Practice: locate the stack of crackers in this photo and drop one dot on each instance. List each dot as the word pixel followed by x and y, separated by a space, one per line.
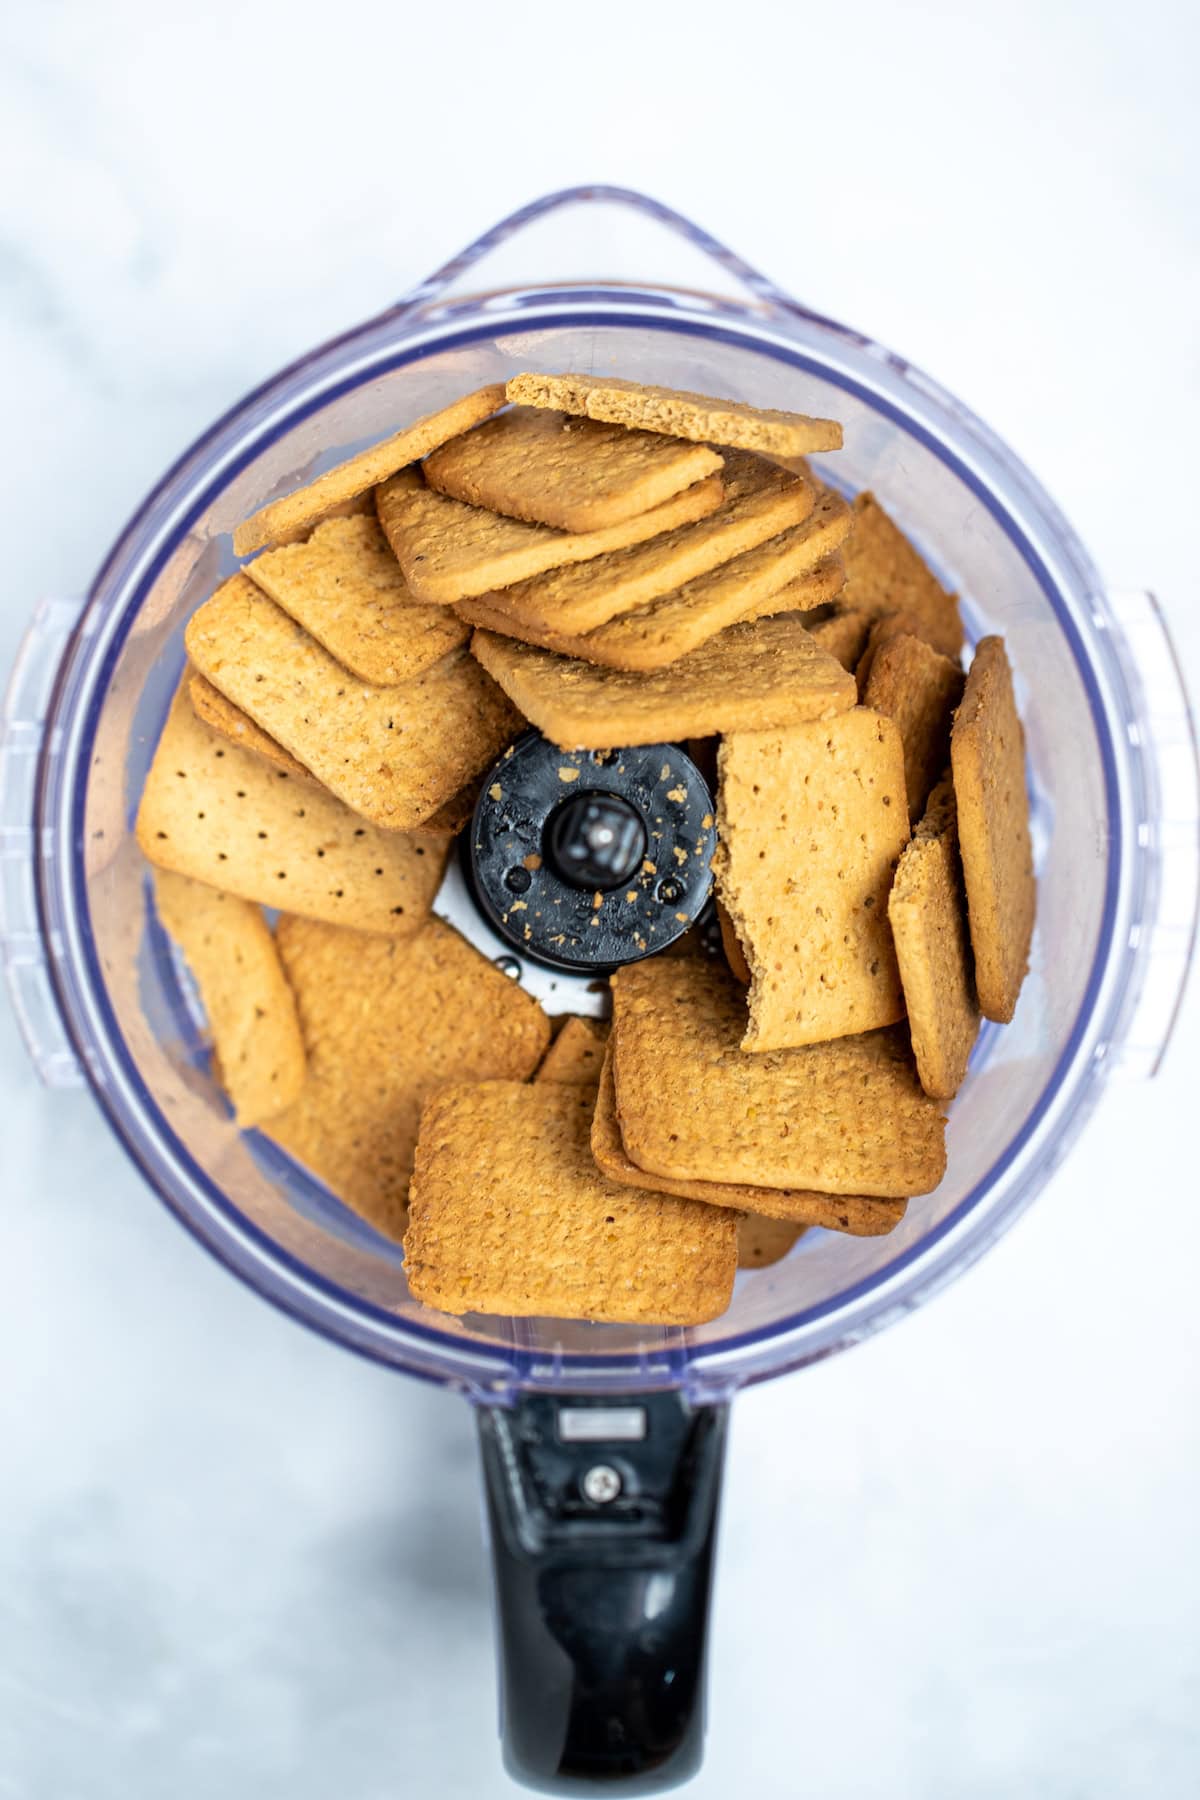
pixel 614 564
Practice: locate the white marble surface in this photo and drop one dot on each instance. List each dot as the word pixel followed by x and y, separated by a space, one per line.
pixel 961 1560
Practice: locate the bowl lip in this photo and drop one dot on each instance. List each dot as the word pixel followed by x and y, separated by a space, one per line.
pixel 276 1273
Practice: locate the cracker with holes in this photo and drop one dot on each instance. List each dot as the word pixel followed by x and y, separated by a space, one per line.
pixel 510 1215
pixel 450 551
pixel 576 1055
pixel 811 823
pixel 223 815
pixel 918 690
pixel 928 915
pixel 847 1117
pixel 885 573
pixel 344 585
pixel 258 1050
pixel 285 520
pixel 385 1024
pixel 987 750
pixel 574 474
pixel 858 1215
pixel 230 722
pixel 395 754
pixel 761 501
pixel 767 673
pixel 678 413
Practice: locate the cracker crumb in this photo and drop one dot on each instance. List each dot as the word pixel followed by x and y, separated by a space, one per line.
pixel 496 791
pixel 532 861
pixel 565 774
pixel 597 901
pixel 678 794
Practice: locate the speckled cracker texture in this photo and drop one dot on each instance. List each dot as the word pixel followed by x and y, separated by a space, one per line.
pixel 848 1117
pixel 811 823
pixel 843 632
pixel 385 1024
pixel 344 585
pixel 678 413
pixel 859 1215
pixel 284 520
pixel 918 689
pixel 884 573
pixel 576 1055
pixel 987 751
pixel 769 673
pixel 928 915
pixel 392 754
pixel 510 1215
pixel 222 716
pixel 574 474
pixel 224 816
pixel 449 551
pixel 258 1050
pixel 761 501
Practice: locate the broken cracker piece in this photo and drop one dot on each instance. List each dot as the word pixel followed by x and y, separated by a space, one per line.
pixel 575 1056
pixel 679 414
pixel 884 573
pixel 918 689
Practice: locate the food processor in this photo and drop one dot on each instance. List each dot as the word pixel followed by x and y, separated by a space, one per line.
pixel 602 1444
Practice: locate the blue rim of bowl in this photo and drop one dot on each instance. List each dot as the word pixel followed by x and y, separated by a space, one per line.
pixel 277 1261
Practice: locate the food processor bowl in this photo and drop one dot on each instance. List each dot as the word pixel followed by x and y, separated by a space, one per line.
pixel 103 998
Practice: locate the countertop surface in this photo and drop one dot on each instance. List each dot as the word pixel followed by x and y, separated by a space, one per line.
pixel 960 1560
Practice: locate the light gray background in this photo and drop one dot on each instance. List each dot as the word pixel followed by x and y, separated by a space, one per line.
pixel 961 1560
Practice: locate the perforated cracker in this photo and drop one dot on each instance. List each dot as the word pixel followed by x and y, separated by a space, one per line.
pixel 678 413
pixel 919 690
pixel 847 1117
pixel 510 1215
pixel 222 716
pixel 392 754
pixel 385 1024
pixel 811 822
pixel 258 1050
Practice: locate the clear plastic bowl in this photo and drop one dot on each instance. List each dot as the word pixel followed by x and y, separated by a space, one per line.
pixel 1112 766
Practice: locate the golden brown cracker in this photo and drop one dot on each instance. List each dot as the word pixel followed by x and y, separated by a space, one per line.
pixel 223 815
pixel 392 754
pixel 679 414
pixel 928 915
pixel 887 625
pixel 575 1056
pixel 449 551
pixel 884 573
pixel 232 723
pixel 735 956
pixel 574 474
pixel 762 1242
pixel 258 1051
pixel 811 823
pixel 510 1215
pixel 843 632
pixel 858 1215
pixel 769 673
pixel 452 814
pixel 919 689
pixel 847 1117
pixel 987 751
pixel 761 501
pixel 385 1024
pixel 281 521
pixel 344 585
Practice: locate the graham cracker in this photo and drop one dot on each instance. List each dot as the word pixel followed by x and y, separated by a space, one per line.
pixel 258 1052
pixel 918 689
pixel 987 752
pixel 574 474
pixel 857 1215
pixel 449 551
pixel 232 723
pixel 769 673
pixel 811 822
pixel 510 1215
pixel 843 632
pixel 928 915
pixel 344 586
pixel 575 1056
pixel 386 1024
pixel 793 572
pixel 884 573
pixel 283 520
pixel 678 413
pixel 735 956
pixel 887 625
pixel 762 1242
pixel 224 816
pixel 847 1117
pixel 392 754
pixel 452 815
pixel 761 501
